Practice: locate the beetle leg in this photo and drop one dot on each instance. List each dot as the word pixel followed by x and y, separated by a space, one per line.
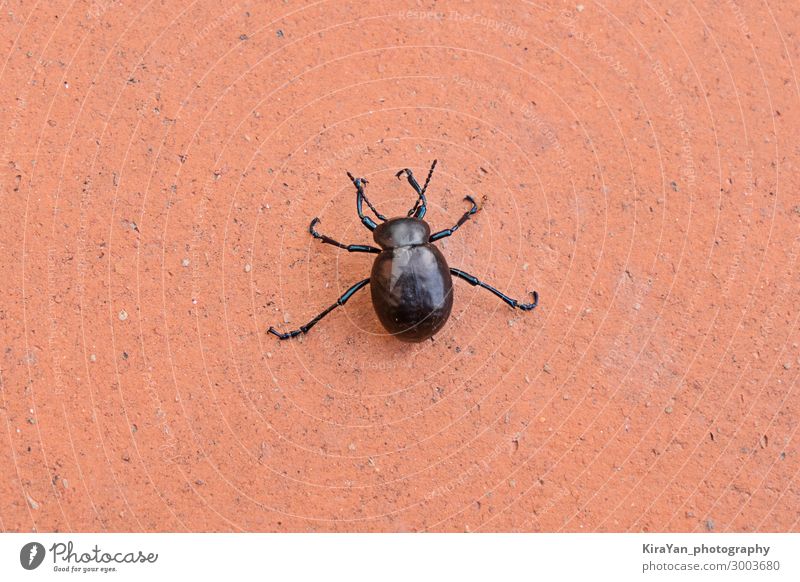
pixel 362 197
pixel 304 329
pixel 330 241
pixel 512 302
pixel 448 231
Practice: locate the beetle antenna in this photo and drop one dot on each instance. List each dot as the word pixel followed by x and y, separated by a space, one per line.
pixel 428 179
pixel 375 210
pixel 420 191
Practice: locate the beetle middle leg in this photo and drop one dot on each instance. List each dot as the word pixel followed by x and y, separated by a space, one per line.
pixel 330 241
pixel 304 328
pixel 512 302
pixel 467 215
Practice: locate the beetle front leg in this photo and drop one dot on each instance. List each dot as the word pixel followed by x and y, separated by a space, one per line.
pixel 418 211
pixel 361 197
pixel 330 241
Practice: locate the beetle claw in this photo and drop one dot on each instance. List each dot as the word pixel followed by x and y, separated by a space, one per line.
pixel 529 306
pixel 357 181
pixel 311 226
pixel 284 336
pixel 471 200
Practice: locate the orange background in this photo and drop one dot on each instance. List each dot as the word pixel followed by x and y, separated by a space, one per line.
pixel 636 163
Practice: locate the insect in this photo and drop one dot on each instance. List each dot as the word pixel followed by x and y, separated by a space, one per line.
pixel 411 283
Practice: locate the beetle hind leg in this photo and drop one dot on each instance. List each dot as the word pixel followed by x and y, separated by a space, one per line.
pixel 474 281
pixel 304 328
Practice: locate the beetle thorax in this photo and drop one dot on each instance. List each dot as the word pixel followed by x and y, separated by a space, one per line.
pixel 402 232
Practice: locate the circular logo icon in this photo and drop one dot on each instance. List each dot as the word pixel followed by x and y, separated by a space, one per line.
pixel 31 555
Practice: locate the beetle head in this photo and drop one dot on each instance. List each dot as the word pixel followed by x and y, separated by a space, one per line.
pixel 401 232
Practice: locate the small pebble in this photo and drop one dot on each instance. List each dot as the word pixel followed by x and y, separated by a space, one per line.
pixel 32 502
pixel 92 358
pixel 248 268
pixel 286 317
pixel 579 7
pixel 637 306
pixel 546 368
pixel 185 262
pixel 710 524
pixel 787 366
pixel 668 410
pixel 123 315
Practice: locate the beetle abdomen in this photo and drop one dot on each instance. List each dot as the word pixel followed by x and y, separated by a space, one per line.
pixel 412 291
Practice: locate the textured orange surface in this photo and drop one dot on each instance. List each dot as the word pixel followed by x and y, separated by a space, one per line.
pixel 636 163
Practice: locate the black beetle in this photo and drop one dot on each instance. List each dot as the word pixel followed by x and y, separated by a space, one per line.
pixel 412 286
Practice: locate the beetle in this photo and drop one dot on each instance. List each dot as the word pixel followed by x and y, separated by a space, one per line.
pixel 412 285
